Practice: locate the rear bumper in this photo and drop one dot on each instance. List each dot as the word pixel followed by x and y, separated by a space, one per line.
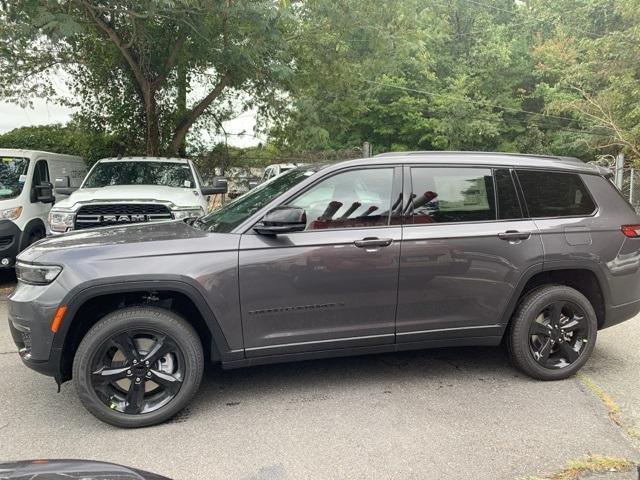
pixel 620 313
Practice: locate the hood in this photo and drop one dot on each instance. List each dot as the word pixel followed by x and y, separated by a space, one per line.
pixel 180 197
pixel 128 241
pixel 85 469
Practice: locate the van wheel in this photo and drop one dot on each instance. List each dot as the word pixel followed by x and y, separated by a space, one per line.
pixel 553 333
pixel 138 366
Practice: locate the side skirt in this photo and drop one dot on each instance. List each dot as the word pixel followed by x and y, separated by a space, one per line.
pixel 353 351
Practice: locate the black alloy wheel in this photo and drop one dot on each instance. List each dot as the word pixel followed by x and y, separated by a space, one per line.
pixel 137 371
pixel 138 366
pixel 552 332
pixel 558 335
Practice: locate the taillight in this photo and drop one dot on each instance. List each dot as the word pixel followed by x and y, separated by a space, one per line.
pixel 632 231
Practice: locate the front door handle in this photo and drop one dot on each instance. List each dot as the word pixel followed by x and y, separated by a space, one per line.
pixel 373 242
pixel 512 235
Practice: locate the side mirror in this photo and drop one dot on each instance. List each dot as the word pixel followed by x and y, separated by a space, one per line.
pixel 44 193
pixel 219 186
pixel 62 185
pixel 282 220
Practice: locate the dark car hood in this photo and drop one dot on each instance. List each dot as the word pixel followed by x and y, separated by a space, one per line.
pixel 70 469
pixel 129 240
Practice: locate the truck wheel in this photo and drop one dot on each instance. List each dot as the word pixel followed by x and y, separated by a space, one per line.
pixel 138 366
pixel 553 332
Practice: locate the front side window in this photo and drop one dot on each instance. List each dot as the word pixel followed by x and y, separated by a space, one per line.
pixel 232 214
pixel 41 173
pixel 13 174
pixel 555 194
pixel 451 194
pixel 352 199
pixel 166 174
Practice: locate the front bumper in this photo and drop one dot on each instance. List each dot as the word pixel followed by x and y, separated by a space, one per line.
pixel 10 240
pixel 30 310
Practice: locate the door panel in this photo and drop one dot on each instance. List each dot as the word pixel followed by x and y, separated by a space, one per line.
pixel 459 267
pixel 317 290
pixel 456 279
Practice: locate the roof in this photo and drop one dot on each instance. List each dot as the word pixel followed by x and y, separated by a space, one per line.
pixel 482 159
pixel 21 152
pixel 145 159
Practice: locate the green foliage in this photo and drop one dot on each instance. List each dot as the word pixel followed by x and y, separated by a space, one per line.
pixel 461 75
pixel 70 139
pixel 133 63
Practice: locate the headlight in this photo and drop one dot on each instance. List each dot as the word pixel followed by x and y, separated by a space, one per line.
pixel 60 222
pixel 10 213
pixel 37 274
pixel 187 213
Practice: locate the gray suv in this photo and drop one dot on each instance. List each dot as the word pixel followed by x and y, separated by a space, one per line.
pixel 397 252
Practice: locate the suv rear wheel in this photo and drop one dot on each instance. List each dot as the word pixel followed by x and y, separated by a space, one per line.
pixel 138 366
pixel 552 333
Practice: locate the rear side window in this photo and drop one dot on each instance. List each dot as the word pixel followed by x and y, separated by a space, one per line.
pixel 555 194
pixel 446 195
pixel 508 203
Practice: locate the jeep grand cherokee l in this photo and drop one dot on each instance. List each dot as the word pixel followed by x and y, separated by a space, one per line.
pixel 397 252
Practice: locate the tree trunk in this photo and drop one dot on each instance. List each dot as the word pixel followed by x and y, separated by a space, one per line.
pixel 153 129
pixel 181 104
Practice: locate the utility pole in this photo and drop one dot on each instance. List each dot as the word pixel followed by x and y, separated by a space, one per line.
pixel 618 173
pixel 366 150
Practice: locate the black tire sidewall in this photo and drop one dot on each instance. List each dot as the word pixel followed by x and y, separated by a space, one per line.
pixel 155 319
pixel 529 308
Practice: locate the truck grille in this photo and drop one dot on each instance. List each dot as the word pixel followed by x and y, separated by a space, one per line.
pixel 91 216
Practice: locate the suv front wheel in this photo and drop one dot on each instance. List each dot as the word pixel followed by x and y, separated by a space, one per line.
pixel 138 366
pixel 553 332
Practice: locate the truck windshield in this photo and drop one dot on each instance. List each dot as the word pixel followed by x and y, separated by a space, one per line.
pixel 13 173
pixel 234 213
pixel 167 174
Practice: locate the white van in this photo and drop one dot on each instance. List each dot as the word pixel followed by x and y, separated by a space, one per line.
pixel 26 195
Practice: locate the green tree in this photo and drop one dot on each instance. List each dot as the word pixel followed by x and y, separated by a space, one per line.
pixel 134 64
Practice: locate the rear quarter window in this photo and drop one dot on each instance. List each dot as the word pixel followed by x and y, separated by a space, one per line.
pixel 555 194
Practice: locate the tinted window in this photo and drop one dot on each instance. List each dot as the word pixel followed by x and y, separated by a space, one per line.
pixel 353 199
pixel 555 194
pixel 508 203
pixel 451 195
pixel 40 173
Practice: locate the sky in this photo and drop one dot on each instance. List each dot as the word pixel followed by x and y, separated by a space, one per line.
pixel 43 113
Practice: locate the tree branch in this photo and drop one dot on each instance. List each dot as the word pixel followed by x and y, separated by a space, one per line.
pixel 115 38
pixel 171 60
pixel 190 117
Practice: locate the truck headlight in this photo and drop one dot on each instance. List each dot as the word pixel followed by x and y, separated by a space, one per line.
pixel 37 274
pixel 10 213
pixel 187 213
pixel 60 222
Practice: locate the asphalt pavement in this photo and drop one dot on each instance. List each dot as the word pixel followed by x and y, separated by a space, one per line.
pixel 449 413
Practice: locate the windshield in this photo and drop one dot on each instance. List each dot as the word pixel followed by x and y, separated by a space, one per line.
pixel 140 173
pixel 234 213
pixel 13 174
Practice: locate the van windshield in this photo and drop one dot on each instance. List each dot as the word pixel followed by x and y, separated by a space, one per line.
pixel 166 174
pixel 13 174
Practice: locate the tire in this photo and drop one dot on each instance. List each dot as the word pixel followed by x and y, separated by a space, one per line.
pixel 546 356
pixel 131 406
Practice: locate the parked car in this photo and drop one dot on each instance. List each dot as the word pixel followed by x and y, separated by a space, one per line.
pixel 132 190
pixel 277 169
pixel 72 469
pixel 396 252
pixel 26 196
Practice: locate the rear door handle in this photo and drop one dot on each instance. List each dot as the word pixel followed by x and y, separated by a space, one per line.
pixel 373 242
pixel 514 235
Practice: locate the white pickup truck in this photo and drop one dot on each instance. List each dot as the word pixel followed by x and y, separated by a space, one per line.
pixel 119 191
